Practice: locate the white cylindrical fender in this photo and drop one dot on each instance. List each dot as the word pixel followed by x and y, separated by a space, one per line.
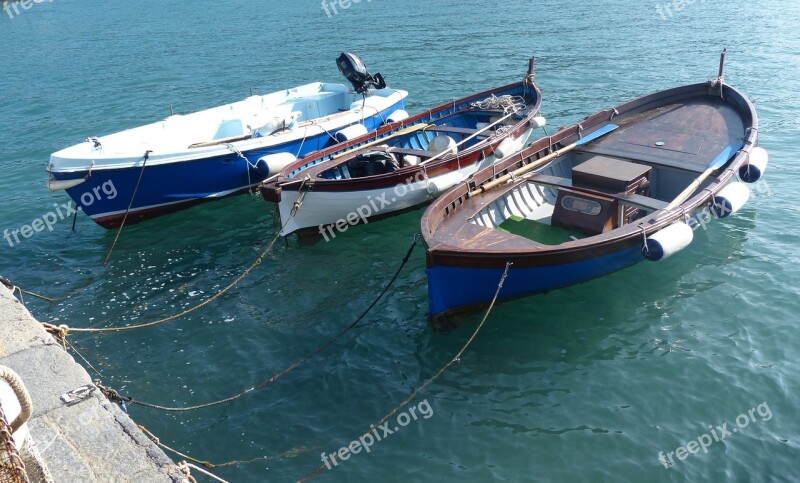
pixel 667 242
pixel 54 185
pixel 730 199
pixel 411 160
pixel 756 165
pixel 443 144
pixel 507 147
pixel 440 184
pixel 272 164
pixel 351 132
pixel 538 121
pixel 397 116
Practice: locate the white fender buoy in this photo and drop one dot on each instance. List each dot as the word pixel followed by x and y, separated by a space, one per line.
pixel 730 199
pixel 506 147
pixel 538 121
pixel 397 116
pixel 440 184
pixel 351 132
pixel 667 242
pixel 411 160
pixel 272 164
pixel 443 144
pixel 54 185
pixel 756 165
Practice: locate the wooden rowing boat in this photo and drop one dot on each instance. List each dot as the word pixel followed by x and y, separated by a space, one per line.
pixel 404 164
pixel 623 185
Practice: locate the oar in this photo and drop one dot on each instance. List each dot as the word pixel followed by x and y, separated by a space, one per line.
pixel 718 162
pixel 539 162
pixel 472 136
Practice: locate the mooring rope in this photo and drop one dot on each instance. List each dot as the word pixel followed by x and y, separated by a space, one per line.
pixel 130 204
pixel 292 453
pixel 62 330
pixel 75 349
pixel 438 374
pixel 115 397
pixel 14 288
pixel 186 470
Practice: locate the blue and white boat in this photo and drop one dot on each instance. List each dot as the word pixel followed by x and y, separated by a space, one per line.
pixel 183 160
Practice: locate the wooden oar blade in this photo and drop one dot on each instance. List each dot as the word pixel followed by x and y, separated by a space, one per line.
pixel 596 134
pixel 724 156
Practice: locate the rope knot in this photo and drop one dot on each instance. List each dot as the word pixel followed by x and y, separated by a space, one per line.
pixel 111 394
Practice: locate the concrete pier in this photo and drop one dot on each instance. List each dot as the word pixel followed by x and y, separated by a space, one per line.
pixel 90 441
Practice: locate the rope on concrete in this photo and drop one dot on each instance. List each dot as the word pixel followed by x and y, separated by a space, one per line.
pixel 436 376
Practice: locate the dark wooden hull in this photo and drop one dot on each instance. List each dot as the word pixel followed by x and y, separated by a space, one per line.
pixel 465 261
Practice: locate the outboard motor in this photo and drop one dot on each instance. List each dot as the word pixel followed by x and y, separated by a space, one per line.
pixel 352 67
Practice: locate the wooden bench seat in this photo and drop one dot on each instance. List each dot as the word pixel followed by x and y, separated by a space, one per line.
pixel 638 201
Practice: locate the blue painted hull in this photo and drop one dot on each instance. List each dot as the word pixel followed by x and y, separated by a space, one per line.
pixel 452 288
pixel 170 187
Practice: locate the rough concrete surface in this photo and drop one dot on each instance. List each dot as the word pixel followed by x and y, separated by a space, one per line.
pixel 91 441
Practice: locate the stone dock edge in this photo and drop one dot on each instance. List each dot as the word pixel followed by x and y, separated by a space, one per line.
pixel 91 441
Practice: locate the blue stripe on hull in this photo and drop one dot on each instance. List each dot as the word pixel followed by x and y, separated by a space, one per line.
pixel 451 288
pixel 186 182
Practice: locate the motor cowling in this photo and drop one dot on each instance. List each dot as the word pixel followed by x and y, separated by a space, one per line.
pixel 352 67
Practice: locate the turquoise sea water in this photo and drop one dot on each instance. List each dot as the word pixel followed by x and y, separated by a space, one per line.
pixel 588 383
